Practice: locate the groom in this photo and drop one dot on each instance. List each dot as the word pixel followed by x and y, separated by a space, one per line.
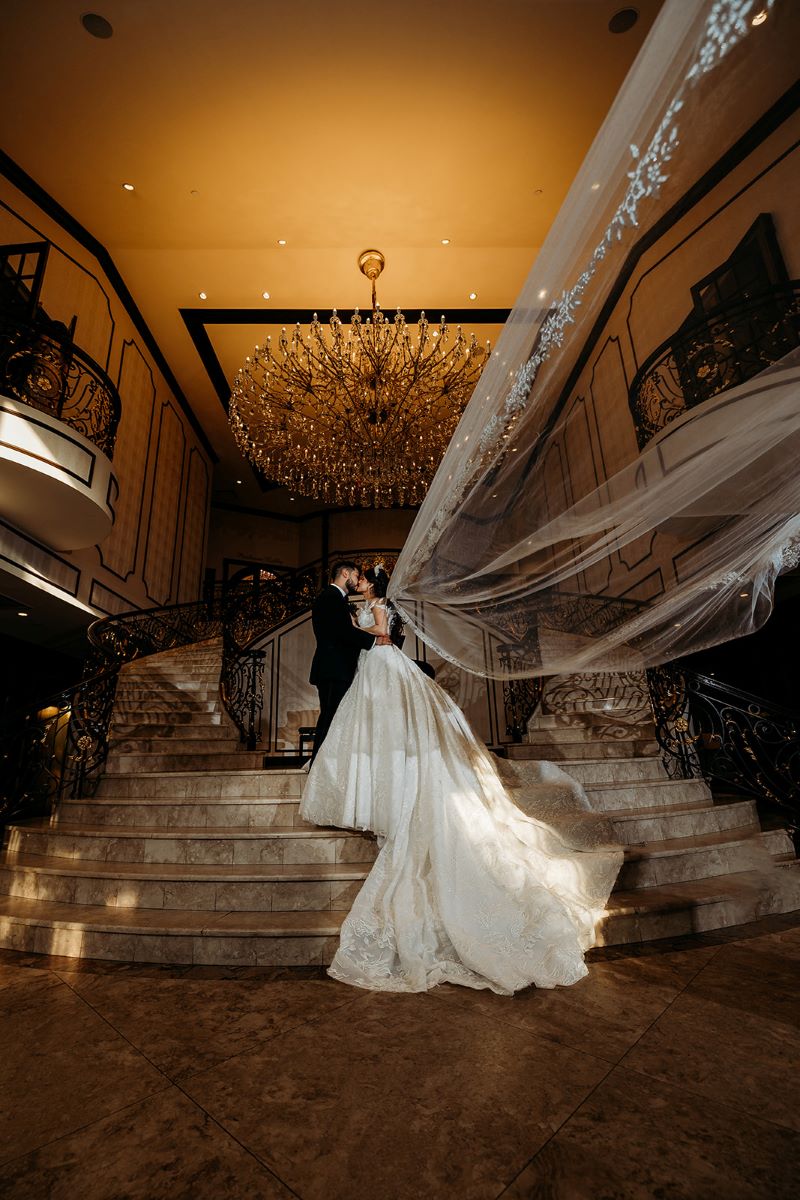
pixel 339 643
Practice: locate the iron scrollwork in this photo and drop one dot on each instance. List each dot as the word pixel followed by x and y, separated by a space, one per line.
pixel 40 365
pixel 728 346
pixel 707 728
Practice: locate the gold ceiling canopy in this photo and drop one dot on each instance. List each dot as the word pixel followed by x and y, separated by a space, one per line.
pixel 362 415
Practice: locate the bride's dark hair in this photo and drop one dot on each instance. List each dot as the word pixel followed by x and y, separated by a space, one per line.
pixel 379 579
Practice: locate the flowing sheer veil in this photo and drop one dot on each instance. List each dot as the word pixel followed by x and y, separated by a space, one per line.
pixel 507 574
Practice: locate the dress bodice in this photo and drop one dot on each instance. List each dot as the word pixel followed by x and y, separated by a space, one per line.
pixel 366 617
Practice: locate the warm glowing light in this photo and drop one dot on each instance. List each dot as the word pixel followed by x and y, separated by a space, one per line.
pixel 595 187
pixel 445 241
pixel 542 293
pixel 203 295
pixel 744 594
pixel 473 295
pixel 265 295
pixel 128 187
pixel 281 241
pixel 22 614
pixel 760 17
pixel 238 481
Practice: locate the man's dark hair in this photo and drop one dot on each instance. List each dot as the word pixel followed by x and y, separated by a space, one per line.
pixel 343 564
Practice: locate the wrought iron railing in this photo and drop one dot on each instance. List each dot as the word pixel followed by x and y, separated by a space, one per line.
pixel 726 347
pixel 40 365
pixel 59 747
pixel 708 729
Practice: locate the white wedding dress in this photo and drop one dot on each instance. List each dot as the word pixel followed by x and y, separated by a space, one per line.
pixel 469 887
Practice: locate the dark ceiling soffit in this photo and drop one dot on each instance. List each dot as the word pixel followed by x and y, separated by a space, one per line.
pixel 35 192
pixel 197 319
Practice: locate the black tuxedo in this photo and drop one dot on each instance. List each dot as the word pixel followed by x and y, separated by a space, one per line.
pixel 339 643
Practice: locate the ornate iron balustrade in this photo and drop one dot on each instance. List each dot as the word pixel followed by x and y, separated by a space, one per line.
pixel 40 365
pixel 59 747
pixel 728 346
pixel 708 729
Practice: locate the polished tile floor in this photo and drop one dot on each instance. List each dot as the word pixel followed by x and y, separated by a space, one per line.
pixel 671 1072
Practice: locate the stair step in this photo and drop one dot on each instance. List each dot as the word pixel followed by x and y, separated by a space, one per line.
pixel 170 717
pixel 245 785
pixel 220 844
pixel 163 707
pixel 252 887
pixel 167 935
pixel 236 760
pixel 677 860
pixel 592 771
pixel 173 740
pixel 633 827
pixel 643 794
pixel 672 910
pixel 165 814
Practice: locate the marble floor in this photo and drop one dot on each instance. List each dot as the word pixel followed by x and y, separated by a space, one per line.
pixel 671 1072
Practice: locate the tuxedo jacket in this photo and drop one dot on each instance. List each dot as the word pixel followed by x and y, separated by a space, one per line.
pixel 339 641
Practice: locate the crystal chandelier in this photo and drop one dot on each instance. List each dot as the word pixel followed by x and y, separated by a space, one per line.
pixel 360 416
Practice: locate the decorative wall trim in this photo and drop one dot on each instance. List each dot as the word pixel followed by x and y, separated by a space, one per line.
pixel 41 557
pixel 127 346
pixel 117 604
pixel 165 599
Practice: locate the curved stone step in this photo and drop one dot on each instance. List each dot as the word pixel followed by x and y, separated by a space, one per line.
pixel 164 707
pixel 235 760
pixel 653 793
pixel 170 718
pixel 700 857
pixel 220 739
pixel 177 813
pixel 682 820
pixel 673 910
pixel 592 771
pixel 131 844
pixel 165 935
pixel 205 785
pixel 252 887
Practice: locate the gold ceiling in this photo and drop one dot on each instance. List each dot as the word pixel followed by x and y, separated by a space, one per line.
pixel 332 127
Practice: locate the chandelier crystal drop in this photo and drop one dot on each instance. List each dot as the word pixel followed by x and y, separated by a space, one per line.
pixel 360 415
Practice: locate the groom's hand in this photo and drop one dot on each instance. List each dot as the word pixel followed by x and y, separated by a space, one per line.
pixel 383 640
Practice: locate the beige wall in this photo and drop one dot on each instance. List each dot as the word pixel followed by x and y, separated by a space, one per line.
pixel 155 552
pixel 249 537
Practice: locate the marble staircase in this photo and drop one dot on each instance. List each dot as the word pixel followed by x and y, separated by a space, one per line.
pixel 189 852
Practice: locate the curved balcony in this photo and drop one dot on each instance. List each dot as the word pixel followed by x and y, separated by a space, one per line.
pixel 59 414
pixel 725 348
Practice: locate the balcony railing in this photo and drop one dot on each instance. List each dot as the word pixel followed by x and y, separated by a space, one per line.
pixel 40 365
pixel 728 346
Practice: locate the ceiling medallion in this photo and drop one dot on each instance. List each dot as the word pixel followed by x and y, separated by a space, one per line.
pixel 359 415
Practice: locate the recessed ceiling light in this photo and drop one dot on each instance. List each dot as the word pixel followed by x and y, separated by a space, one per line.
pixel 238 481
pixel 96 25
pixel 281 241
pixel 291 497
pixel 203 295
pixel 595 187
pixel 21 613
pixel 760 17
pixel 623 20
pixel 194 192
pixel 538 191
pixel 128 187
pixel 445 241
pixel 265 295
pixel 473 295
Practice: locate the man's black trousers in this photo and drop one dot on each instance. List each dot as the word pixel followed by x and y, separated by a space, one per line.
pixel 331 692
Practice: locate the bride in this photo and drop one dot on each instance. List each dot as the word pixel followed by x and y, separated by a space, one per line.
pixel 469 886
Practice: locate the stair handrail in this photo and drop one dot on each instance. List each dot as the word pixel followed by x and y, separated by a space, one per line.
pixel 709 729
pixel 45 758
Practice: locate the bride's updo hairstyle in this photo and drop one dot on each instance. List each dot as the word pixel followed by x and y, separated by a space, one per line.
pixel 378 578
